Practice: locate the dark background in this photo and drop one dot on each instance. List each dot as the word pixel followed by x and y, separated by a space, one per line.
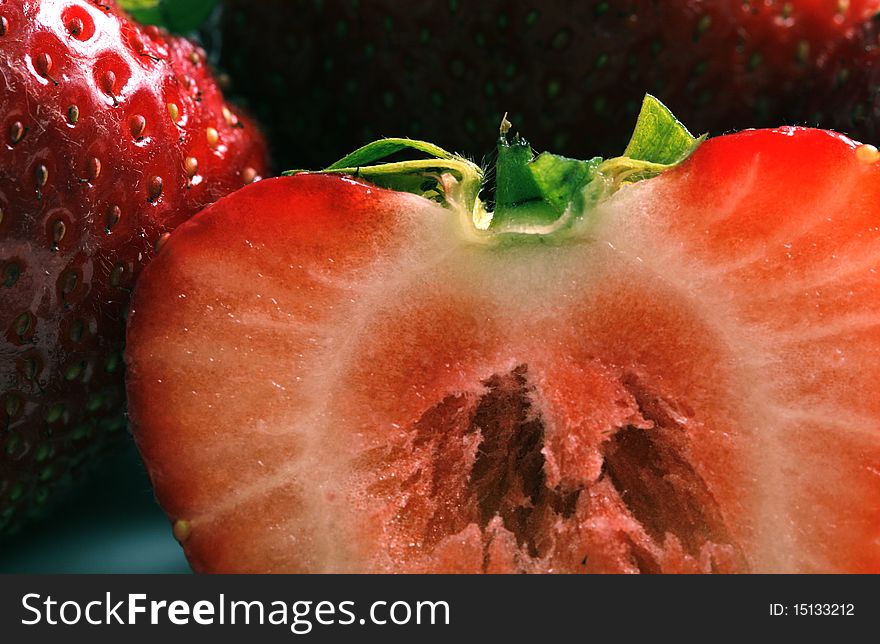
pixel 108 524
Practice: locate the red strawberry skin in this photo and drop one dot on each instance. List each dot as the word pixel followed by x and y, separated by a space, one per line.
pixel 110 136
pixel 572 75
pixel 342 382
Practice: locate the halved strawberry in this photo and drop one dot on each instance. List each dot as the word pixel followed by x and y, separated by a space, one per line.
pixel 671 375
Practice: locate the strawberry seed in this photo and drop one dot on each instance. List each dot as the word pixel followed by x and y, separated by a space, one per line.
pixel 10 274
pixel 13 404
pixel 54 412
pixel 114 214
pixel 154 189
pixel 58 230
pixel 137 124
pixel 93 169
pixel 76 330
pixel 867 153
pixel 16 132
pixel 161 241
pixel 108 83
pixel 74 27
pixel 23 324
pixel 181 530
pixel 41 176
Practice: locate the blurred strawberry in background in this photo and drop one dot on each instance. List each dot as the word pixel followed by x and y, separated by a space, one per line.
pixel 328 75
pixel 847 94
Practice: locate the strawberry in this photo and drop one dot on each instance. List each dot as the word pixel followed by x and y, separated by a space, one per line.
pixel 572 74
pixel 113 134
pixel 661 362
pixel 848 93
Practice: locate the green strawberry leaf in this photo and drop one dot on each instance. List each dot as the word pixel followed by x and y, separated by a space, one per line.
pixel 384 148
pixel 659 142
pixel 442 176
pixel 562 179
pixel 537 189
pixel 180 16
pixel 659 137
pixel 543 193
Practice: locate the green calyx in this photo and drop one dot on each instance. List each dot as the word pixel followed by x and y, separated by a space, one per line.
pixel 179 16
pixel 442 176
pixel 535 195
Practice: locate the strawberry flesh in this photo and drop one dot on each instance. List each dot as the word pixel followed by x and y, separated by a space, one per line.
pixel 328 376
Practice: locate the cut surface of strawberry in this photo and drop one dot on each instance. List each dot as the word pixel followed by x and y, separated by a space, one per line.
pixel 672 375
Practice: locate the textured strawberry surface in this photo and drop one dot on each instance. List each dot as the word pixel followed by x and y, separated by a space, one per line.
pixel 112 134
pixel 343 382
pixel 848 96
pixel 329 75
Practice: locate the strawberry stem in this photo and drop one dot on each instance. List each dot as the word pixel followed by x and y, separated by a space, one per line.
pixel 547 193
pixel 537 195
pixel 442 176
pixel 532 192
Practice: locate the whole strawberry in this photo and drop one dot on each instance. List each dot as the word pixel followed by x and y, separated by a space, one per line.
pixel 572 74
pixel 848 97
pixel 112 135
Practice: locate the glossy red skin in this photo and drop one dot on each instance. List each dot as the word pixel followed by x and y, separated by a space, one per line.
pixel 86 135
pixel 571 76
pixel 779 228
